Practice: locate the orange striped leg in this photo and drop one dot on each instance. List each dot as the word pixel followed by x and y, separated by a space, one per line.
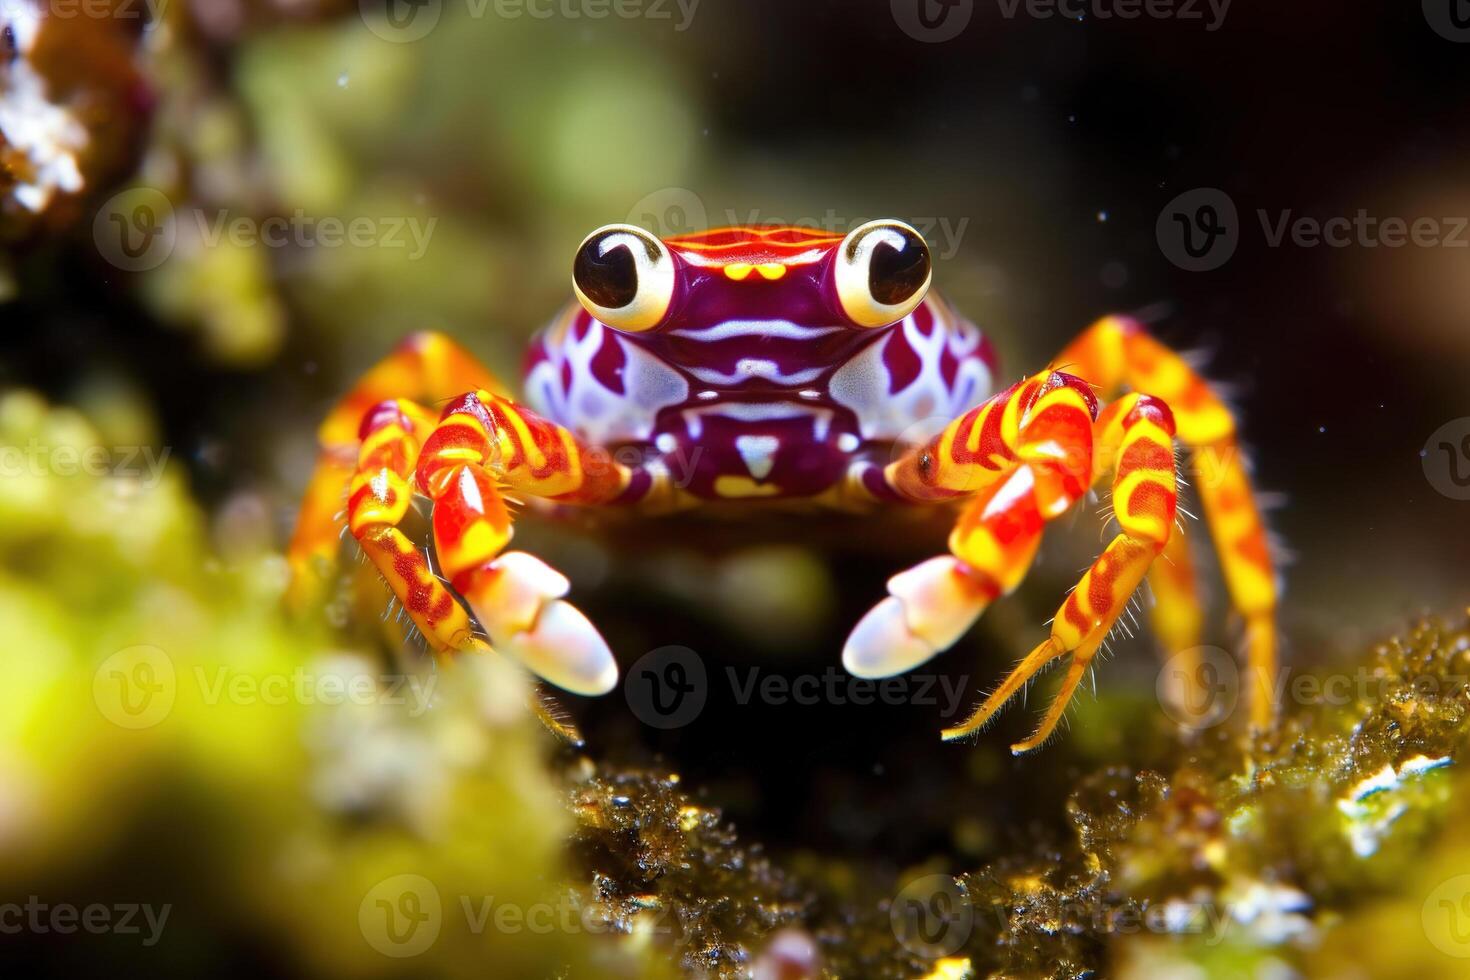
pixel 482 443
pixel 1135 435
pixel 378 500
pixel 1116 352
pixel 1178 614
pixel 425 368
pixel 1027 453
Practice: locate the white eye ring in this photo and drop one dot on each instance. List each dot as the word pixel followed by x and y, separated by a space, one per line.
pixel 876 296
pixel 624 277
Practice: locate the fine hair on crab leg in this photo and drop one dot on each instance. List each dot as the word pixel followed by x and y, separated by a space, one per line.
pixel 425 368
pixel 378 500
pixel 1118 352
pixel 1025 456
pixel 1135 436
pixel 482 442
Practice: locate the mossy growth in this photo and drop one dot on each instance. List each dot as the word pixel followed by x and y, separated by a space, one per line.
pixel 1239 856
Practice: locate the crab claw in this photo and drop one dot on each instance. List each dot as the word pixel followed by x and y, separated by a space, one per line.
pixel 518 599
pixel 928 608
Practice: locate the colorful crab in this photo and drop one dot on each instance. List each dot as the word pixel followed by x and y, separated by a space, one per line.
pixel 747 366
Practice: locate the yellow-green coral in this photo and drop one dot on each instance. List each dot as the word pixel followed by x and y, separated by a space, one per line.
pixel 162 722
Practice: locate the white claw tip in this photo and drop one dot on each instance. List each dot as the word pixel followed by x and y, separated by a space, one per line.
pixel 564 648
pixel 882 645
pixel 941 600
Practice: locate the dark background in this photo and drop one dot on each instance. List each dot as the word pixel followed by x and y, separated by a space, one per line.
pixel 1342 361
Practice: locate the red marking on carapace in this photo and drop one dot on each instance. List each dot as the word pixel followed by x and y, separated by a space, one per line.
pixel 902 362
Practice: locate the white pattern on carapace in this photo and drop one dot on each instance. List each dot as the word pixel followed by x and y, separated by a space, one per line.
pixel 759 454
pixel 751 367
pixel 758 412
pixel 863 384
pixel 756 329
pixel 588 407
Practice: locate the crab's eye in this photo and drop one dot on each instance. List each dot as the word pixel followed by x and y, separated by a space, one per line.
pixel 624 277
pixel 882 272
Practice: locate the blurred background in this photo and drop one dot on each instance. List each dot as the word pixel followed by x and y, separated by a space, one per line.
pixel 149 149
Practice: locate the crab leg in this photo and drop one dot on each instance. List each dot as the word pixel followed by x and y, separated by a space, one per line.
pixel 377 502
pixel 426 368
pixel 1135 436
pixel 1117 352
pixel 482 442
pixel 1026 455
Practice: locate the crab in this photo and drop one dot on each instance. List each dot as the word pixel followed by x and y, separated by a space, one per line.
pixel 745 367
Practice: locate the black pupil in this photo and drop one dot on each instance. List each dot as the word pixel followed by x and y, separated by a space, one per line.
pixel 895 274
pixel 608 278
